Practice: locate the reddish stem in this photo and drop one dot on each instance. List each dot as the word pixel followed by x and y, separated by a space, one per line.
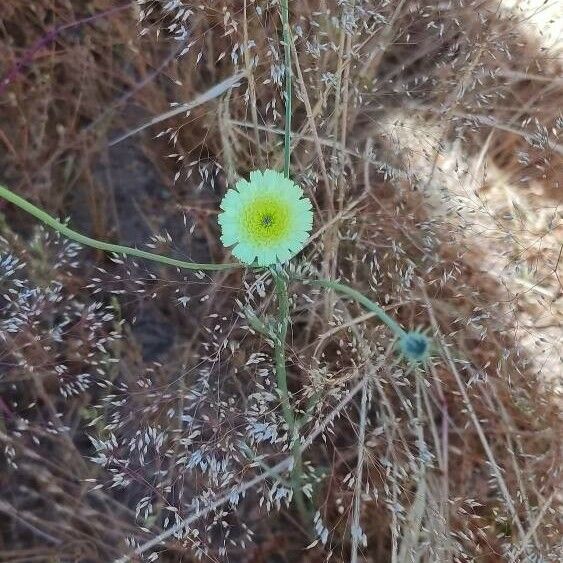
pixel 4 407
pixel 49 37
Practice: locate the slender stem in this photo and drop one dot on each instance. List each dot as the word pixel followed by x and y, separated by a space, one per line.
pixel 279 349
pixel 355 529
pixel 362 300
pixel 50 36
pixel 296 480
pixel 283 299
pixel 288 93
pixel 45 218
pixel 288 412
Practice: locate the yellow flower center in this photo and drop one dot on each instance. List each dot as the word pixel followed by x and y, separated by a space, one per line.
pixel 266 220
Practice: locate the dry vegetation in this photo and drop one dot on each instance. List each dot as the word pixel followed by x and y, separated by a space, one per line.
pixel 133 396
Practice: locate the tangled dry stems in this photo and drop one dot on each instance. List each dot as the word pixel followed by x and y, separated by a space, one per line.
pixel 436 193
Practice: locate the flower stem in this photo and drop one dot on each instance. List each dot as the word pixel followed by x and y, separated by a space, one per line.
pixel 283 299
pixel 296 480
pixel 288 93
pixel 279 350
pixel 45 218
pixel 281 375
pixel 362 300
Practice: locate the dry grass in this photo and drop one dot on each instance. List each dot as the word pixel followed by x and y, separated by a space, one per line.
pixel 429 138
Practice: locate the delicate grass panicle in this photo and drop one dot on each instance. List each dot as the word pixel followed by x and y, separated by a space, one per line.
pixel 340 340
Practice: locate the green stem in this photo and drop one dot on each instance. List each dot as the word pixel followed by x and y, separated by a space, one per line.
pixel 279 349
pixel 362 300
pixel 296 480
pixel 288 412
pixel 45 218
pixel 288 93
pixel 283 299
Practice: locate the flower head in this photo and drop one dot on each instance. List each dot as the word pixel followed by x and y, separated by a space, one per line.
pixel 267 219
pixel 415 346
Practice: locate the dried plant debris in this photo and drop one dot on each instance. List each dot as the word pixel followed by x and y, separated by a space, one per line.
pixel 140 412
